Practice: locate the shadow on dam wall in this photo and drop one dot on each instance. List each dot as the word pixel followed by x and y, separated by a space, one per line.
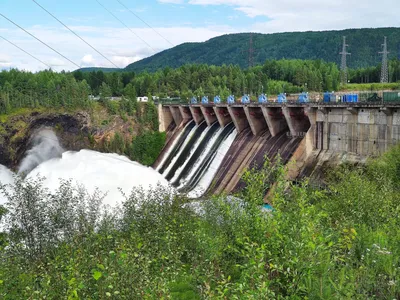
pixel 249 151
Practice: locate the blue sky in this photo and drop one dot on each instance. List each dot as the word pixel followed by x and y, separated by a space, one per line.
pixel 177 20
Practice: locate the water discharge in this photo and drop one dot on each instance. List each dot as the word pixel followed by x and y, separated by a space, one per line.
pixel 192 151
pixel 200 159
pixel 6 177
pixel 90 169
pixel 108 172
pixel 171 165
pixel 45 147
pixel 213 167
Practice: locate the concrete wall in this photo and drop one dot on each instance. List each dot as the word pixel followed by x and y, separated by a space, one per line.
pixel 297 120
pixel 165 118
pixel 275 119
pixel 256 119
pixel 209 115
pixel 363 131
pixel 223 116
pixel 176 114
pixel 186 114
pixel 197 114
pixel 239 118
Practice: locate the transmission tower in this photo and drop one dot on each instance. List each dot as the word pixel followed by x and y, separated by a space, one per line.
pixel 343 64
pixel 398 52
pixel 251 51
pixel 385 68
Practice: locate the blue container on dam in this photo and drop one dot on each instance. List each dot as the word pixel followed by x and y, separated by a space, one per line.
pixel 329 97
pixel 282 98
pixel 303 98
pixel 245 99
pixel 231 99
pixel 217 99
pixel 350 98
pixel 204 100
pixel 193 100
pixel 262 98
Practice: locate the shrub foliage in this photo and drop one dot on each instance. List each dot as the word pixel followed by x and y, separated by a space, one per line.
pixel 337 243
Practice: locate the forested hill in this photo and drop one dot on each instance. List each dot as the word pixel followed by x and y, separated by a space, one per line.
pixel 364 45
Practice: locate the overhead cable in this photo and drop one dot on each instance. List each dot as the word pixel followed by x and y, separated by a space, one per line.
pixel 20 27
pixel 26 52
pixel 148 25
pixel 125 25
pixel 77 35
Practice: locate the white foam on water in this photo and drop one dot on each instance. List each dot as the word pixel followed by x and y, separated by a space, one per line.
pixel 201 158
pixel 206 180
pixel 194 148
pixel 160 165
pixel 107 172
pixel 189 137
pixel 6 177
pixel 45 146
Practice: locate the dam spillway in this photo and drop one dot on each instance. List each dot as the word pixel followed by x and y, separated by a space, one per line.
pixel 311 134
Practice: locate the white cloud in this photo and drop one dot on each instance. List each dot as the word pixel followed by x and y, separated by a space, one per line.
pixel 122 47
pixel 295 15
pixel 88 61
pixel 117 44
pixel 55 62
pixel 171 1
pixel 4 58
pixel 123 61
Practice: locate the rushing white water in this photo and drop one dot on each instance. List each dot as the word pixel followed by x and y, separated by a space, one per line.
pixel 45 146
pixel 160 165
pixel 90 169
pixel 206 180
pixel 201 158
pixel 192 151
pixel 108 172
pixel 189 137
pixel 6 177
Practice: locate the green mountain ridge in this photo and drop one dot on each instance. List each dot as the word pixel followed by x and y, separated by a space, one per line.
pixel 364 46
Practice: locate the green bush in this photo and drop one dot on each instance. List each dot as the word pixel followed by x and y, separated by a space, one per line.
pixel 339 243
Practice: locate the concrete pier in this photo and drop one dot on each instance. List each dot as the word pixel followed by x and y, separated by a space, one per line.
pixel 223 116
pixel 297 121
pixel 239 118
pixel 186 114
pixel 176 114
pixel 209 115
pixel 275 119
pixel 197 114
pixel 165 118
pixel 256 119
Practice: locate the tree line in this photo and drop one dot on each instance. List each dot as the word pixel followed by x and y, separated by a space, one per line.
pixel 72 89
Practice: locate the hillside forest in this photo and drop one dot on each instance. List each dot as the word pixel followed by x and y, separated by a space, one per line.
pixel 20 89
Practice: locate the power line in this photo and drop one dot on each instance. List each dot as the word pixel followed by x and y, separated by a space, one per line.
pixel 39 40
pixel 125 25
pixel 73 32
pixel 145 22
pixel 25 51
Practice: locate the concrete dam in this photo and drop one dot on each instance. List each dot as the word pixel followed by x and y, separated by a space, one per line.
pixel 209 147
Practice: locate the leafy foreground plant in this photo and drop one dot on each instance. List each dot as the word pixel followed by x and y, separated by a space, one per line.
pixel 340 243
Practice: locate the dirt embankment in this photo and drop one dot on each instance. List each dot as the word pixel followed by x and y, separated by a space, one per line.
pixel 75 131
